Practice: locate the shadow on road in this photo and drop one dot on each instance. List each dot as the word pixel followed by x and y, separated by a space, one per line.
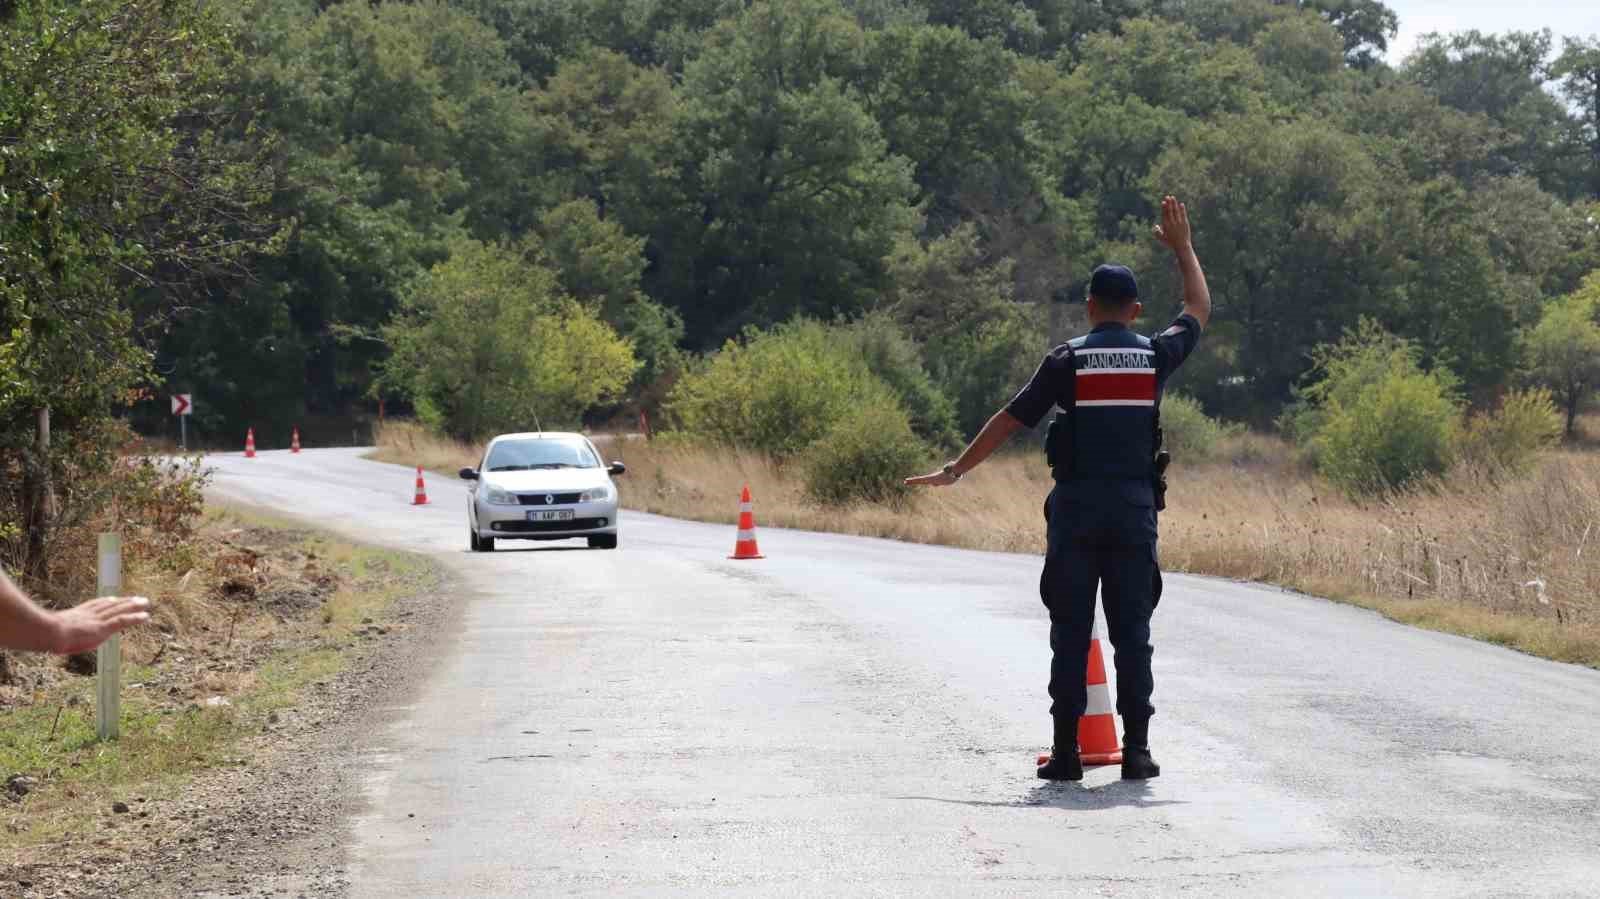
pixel 1066 795
pixel 538 549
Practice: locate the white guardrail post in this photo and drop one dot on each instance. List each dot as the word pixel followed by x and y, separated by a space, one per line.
pixel 108 658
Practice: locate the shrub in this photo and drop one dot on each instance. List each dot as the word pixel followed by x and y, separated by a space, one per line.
pixel 883 346
pixel 1191 434
pixel 864 457
pixel 776 391
pixel 1512 435
pixel 1400 430
pixel 980 369
pixel 103 481
pixel 486 341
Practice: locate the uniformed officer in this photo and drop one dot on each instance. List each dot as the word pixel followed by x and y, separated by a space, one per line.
pixel 1102 512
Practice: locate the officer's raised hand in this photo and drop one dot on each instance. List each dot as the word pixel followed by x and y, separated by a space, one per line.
pixel 1174 227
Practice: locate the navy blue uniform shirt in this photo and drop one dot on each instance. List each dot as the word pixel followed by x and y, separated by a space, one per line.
pixel 1118 384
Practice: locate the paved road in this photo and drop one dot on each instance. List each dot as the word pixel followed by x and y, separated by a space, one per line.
pixel 857 716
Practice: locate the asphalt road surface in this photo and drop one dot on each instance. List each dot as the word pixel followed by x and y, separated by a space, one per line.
pixel 861 717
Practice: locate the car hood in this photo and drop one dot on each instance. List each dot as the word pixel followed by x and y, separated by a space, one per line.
pixel 549 479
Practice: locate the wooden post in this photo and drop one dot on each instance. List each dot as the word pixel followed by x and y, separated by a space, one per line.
pixel 108 667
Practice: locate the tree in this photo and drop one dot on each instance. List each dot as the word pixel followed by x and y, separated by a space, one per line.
pixel 1366 26
pixel 978 343
pixel 955 107
pixel 1502 78
pixel 485 341
pixel 1578 68
pixel 1289 223
pixel 601 265
pixel 785 199
pixel 1132 96
pixel 1562 351
pixel 605 128
pixel 119 198
pixel 400 126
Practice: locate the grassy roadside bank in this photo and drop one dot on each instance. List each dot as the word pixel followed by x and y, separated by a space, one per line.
pixel 1509 560
pixel 242 641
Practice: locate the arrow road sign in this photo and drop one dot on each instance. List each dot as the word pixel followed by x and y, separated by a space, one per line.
pixel 182 403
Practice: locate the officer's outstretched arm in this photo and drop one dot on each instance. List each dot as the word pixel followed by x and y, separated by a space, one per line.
pixel 1174 231
pixel 993 436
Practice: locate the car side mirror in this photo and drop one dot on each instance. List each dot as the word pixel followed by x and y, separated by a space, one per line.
pixel 618 468
pixel 469 474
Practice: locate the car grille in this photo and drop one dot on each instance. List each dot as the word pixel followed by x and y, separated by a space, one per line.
pixel 536 527
pixel 537 499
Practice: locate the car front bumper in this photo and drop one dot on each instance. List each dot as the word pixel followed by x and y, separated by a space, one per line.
pixel 511 522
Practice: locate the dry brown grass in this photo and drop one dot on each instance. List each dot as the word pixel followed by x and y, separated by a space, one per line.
pixel 1511 560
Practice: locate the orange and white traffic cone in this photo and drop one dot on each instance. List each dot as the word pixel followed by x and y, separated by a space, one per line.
pixel 1097 729
pixel 422 491
pixel 294 441
pixel 250 443
pixel 744 546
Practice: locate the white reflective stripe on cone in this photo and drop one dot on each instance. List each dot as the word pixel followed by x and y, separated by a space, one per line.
pixel 746 536
pixel 747 507
pixel 1099 701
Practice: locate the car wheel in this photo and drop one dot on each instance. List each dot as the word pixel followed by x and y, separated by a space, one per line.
pixel 479 544
pixel 604 541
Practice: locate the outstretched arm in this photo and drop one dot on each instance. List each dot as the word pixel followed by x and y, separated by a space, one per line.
pixel 999 429
pixel 1174 231
pixel 26 626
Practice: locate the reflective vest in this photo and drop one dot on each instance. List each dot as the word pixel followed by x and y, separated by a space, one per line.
pixel 1114 407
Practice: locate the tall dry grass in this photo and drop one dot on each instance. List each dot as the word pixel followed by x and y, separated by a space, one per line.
pixel 1510 559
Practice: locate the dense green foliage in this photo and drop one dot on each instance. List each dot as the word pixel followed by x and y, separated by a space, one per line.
pixel 695 168
pixel 779 391
pixel 1372 418
pixel 251 200
pixel 485 342
pixel 864 457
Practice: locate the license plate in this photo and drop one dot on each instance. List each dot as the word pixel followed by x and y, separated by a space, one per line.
pixel 551 515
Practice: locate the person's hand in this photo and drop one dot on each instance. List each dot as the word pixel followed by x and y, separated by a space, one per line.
pixel 1174 228
pixel 83 627
pixel 939 478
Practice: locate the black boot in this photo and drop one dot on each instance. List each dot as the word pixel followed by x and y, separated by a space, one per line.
pixel 1137 763
pixel 1064 763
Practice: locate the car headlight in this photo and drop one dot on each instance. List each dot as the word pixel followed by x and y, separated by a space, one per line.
pixel 597 495
pixel 497 497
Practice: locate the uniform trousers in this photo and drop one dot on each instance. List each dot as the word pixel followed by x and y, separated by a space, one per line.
pixel 1128 578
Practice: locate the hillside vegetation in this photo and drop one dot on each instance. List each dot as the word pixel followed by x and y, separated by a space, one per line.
pixel 834 233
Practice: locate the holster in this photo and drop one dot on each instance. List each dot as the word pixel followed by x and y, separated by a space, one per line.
pixel 1058 443
pixel 1158 467
pixel 1158 478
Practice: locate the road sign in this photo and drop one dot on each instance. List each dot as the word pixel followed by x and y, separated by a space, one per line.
pixel 182 403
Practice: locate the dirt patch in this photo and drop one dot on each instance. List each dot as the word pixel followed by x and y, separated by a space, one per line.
pixel 293 638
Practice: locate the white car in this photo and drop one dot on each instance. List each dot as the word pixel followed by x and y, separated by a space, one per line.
pixel 545 486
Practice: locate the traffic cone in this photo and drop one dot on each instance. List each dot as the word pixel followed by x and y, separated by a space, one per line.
pixel 294 441
pixel 744 546
pixel 1097 729
pixel 250 443
pixel 422 491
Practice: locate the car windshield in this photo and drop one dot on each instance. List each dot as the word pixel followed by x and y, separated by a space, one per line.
pixel 536 453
